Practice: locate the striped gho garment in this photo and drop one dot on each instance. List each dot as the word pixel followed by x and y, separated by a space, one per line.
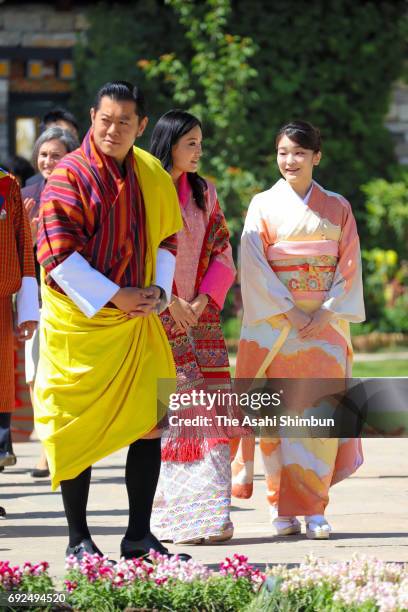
pixel 89 207
pixel 16 261
pixel 16 256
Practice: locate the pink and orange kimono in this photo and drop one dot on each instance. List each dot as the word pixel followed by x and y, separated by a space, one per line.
pixel 304 253
pixel 194 493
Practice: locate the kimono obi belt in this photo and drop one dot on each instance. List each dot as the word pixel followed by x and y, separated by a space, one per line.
pixel 285 249
pixel 304 265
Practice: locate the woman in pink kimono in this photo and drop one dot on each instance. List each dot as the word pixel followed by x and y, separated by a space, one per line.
pixel 301 287
pixel 194 493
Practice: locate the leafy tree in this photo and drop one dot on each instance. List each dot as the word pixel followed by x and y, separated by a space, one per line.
pixel 387 214
pixel 118 37
pixel 386 262
pixel 212 82
pixel 247 68
pixel 332 62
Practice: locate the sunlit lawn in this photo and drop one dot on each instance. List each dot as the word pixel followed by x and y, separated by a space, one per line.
pixel 389 367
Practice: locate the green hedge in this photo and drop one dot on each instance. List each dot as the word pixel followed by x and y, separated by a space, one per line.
pixel 333 62
pixel 245 71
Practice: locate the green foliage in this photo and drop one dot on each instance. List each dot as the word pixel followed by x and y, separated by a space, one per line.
pixel 232 327
pixel 41 583
pixel 41 588
pixel 211 81
pixel 386 290
pixel 118 38
pixel 396 316
pixel 385 269
pixel 311 599
pixel 331 62
pixel 387 213
pixel 246 72
pixel 217 594
pixel 378 266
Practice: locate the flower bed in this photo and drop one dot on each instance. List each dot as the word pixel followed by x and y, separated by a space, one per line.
pixel 361 585
pixel 95 585
pixel 168 584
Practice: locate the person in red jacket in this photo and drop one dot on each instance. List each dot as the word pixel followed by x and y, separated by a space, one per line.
pixel 17 276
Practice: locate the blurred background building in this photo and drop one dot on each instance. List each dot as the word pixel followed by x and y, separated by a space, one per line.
pixel 36 67
pixel 37 70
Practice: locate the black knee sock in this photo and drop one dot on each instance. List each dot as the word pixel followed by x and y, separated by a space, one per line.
pixel 6 445
pixel 142 475
pixel 75 497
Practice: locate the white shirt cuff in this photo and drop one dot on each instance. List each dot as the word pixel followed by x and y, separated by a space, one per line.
pixel 165 267
pixel 89 289
pixel 28 308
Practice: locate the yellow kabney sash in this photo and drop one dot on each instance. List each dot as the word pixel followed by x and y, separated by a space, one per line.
pixel 96 385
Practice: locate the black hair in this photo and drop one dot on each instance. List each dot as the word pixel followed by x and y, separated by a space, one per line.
pixel 58 114
pixel 167 132
pixel 303 133
pixel 20 167
pixel 122 91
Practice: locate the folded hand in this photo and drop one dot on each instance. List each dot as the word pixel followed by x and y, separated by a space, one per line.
pixel 318 322
pixel 183 315
pixel 136 301
pixel 25 330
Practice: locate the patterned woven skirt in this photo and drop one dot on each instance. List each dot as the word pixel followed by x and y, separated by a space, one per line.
pixel 194 493
pixel 193 498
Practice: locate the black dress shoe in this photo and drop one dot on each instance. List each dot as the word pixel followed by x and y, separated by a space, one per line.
pixel 131 549
pixel 39 473
pixel 86 546
pixel 2 513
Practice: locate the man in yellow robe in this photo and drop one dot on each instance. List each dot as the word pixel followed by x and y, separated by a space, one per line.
pixel 108 219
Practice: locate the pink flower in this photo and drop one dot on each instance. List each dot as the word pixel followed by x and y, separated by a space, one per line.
pixel 70 585
pixel 239 567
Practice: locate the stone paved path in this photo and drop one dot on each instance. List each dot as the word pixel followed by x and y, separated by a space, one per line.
pixel 368 513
